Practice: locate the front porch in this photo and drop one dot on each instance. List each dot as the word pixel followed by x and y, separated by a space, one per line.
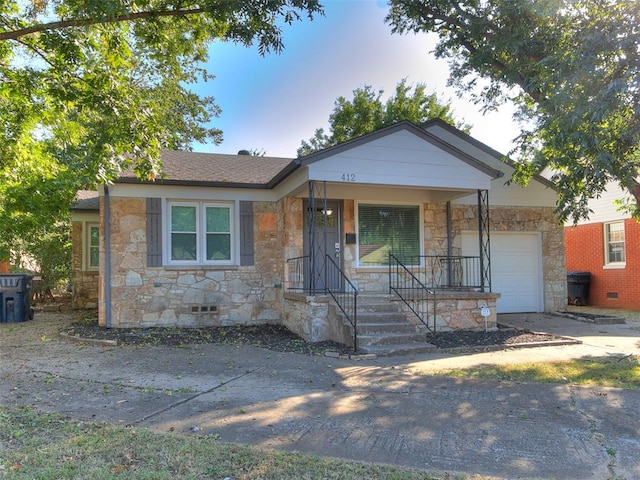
pixel 437 293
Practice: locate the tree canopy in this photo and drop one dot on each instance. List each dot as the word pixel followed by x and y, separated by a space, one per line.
pixel 367 113
pixel 571 66
pixel 89 88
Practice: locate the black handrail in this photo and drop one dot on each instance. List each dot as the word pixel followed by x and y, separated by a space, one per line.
pixel 344 293
pixel 336 284
pixel 411 291
pixel 445 271
pixel 295 281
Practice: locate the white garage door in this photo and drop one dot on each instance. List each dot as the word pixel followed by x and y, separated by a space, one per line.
pixel 516 267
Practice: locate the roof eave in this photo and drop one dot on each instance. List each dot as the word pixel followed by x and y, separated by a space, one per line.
pixel 192 183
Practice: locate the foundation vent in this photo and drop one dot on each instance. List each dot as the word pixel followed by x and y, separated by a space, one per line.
pixel 612 294
pixel 204 309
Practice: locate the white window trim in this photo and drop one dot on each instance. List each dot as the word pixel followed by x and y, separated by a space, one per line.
pixel 608 264
pixel 391 204
pixel 86 251
pixel 200 234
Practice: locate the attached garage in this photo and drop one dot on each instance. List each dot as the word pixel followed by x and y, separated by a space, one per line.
pixel 516 269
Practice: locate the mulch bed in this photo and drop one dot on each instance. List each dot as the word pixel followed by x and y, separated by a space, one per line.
pixel 278 338
pixel 474 338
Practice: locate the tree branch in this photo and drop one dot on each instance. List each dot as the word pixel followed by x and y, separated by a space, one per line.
pixel 429 14
pixel 85 22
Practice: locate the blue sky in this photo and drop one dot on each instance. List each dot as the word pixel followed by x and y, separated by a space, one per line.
pixel 272 103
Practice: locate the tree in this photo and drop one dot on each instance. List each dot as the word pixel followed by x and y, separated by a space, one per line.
pixel 90 88
pixel 571 66
pixel 367 113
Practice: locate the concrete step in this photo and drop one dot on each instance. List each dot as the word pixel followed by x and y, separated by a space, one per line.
pixel 381 317
pixel 377 328
pixel 398 349
pixel 389 307
pixel 390 339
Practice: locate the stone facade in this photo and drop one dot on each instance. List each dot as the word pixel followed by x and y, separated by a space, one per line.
pixel 526 219
pixel 143 296
pixel 85 283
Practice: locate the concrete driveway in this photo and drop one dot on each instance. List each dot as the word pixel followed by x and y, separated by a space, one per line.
pixel 378 410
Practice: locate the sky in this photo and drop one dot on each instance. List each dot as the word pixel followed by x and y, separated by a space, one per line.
pixel 272 103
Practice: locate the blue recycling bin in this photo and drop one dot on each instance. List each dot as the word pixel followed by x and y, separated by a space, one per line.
pixel 15 298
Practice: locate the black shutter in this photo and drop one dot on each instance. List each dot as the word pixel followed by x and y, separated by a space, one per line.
pixel 246 234
pixel 154 232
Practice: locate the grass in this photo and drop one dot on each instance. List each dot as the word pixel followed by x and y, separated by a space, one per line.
pixel 49 446
pixel 619 372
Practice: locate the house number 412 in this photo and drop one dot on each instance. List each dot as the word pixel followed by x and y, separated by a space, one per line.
pixel 348 177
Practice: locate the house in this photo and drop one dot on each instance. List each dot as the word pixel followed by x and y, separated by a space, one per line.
pixel 422 212
pixel 606 246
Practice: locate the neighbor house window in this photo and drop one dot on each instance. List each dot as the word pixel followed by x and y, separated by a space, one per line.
pixel 200 233
pixel 384 229
pixel 614 243
pixel 93 246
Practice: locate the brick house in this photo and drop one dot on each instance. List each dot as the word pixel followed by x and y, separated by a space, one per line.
pixel 422 212
pixel 606 246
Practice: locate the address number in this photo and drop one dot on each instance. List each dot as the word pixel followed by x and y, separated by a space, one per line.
pixel 348 177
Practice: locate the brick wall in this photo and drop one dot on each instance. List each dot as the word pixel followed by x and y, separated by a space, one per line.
pixel 585 252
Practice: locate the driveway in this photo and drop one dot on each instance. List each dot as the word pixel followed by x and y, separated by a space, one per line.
pixel 379 410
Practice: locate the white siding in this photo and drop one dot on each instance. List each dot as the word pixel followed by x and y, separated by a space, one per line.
pixel 536 194
pixel 403 159
pixel 604 208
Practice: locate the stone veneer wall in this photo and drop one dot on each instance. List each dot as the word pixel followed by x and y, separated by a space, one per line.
pixel 85 284
pixel 144 296
pixel 462 310
pixel 526 219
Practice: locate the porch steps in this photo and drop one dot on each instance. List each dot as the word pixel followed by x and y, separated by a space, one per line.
pixel 383 328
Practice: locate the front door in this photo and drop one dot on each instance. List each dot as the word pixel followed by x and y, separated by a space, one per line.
pixel 322 227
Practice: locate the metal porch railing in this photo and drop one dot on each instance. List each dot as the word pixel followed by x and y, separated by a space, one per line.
pixel 336 284
pixel 446 272
pixel 414 293
pixel 345 295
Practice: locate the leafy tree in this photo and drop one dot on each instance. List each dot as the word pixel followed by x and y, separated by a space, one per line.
pixel 89 88
pixel 367 113
pixel 571 66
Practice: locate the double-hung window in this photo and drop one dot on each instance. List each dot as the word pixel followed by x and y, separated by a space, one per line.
pixel 92 242
pixel 200 233
pixel 614 244
pixel 385 229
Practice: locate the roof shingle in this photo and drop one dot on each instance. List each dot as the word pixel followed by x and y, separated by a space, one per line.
pixel 196 167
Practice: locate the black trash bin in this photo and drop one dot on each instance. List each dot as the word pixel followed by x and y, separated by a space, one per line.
pixel 578 287
pixel 15 298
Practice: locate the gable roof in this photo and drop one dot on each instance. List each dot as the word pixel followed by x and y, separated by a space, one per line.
pixel 412 128
pixel 436 122
pixel 248 171
pixel 215 169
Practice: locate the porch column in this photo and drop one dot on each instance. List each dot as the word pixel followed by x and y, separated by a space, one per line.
pixel 484 240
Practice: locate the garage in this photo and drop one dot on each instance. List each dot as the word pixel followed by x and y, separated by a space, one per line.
pixel 516 269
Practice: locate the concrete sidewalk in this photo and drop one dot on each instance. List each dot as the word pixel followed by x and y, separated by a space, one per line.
pixel 372 411
pixel 596 341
